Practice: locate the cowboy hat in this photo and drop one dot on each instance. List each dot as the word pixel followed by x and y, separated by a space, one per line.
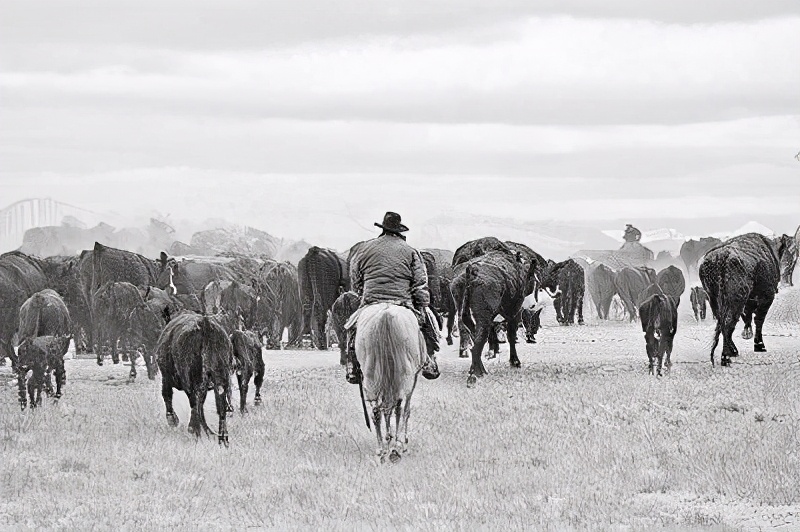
pixel 391 223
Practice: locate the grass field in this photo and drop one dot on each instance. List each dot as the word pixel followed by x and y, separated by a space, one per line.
pixel 580 437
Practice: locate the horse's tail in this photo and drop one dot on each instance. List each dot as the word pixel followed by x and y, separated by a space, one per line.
pixel 392 365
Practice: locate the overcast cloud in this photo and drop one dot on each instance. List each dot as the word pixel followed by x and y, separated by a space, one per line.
pixel 532 108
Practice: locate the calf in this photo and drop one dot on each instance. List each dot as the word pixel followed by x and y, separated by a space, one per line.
pixel 195 355
pixel 531 320
pixel 41 355
pixel 659 316
pixel 247 361
pixel 698 298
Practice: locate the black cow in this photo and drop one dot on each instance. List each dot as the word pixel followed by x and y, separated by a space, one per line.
pixel 234 304
pixel 531 320
pixel 21 276
pixel 659 316
pixel 492 284
pixel 247 363
pixel 741 278
pixel 789 258
pixel 344 307
pixel 671 281
pixel 43 314
pixel 195 355
pixel 111 265
pixel 565 282
pixel 41 355
pixel 477 248
pixel 693 250
pixel 602 287
pixel 698 299
pixel 124 320
pixel 186 278
pixel 278 304
pixel 161 303
pixel 630 283
pixel 322 277
pixel 64 276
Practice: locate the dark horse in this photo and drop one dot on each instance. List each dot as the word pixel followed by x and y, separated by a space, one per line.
pixel 741 278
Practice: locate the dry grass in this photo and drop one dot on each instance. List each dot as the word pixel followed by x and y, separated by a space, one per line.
pixel 579 438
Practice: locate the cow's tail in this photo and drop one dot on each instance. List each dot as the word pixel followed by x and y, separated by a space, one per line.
pixel 470 274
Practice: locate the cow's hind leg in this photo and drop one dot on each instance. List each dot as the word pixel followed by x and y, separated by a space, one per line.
pixel 114 352
pixel 668 363
pixel 493 341
pixel 450 320
pixel 747 318
pixel 221 399
pixel 61 376
pixel 513 327
pixel 166 394
pixel 477 369
pixel 133 357
pixel 197 420
pixel 761 315
pixel 23 397
pixel 35 384
pixel 243 377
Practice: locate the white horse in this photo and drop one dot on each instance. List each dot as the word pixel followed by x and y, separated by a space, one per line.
pixel 391 351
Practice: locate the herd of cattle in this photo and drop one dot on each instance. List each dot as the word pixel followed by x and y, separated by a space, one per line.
pixel 201 320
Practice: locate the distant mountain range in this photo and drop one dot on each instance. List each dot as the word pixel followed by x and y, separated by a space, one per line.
pixel 48 227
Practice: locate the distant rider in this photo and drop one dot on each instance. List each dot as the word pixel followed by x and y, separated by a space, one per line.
pixel 387 270
pixel 632 234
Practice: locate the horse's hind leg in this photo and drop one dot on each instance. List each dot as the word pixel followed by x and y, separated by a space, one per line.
pixel 403 413
pixel 393 432
pixel 377 422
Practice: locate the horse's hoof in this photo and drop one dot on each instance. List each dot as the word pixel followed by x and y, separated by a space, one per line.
pixel 223 440
pixel 394 456
pixel 172 420
pixel 725 361
pixel 471 381
pixel 515 364
pixel 463 354
pixel 449 341
pixel 759 348
pixel 99 362
pixel 747 333
pixel 257 400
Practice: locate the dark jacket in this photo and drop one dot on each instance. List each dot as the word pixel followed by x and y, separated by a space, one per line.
pixel 387 269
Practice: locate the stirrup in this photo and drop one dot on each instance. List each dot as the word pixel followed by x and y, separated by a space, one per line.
pixel 352 373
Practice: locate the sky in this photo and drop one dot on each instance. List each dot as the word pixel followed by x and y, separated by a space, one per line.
pixel 297 116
